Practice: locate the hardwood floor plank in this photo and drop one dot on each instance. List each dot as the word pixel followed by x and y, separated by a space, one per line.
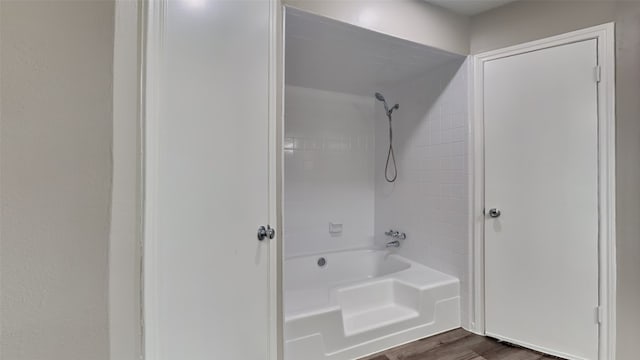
pixel 504 352
pixel 459 344
pixel 463 349
pixel 378 357
pixel 427 344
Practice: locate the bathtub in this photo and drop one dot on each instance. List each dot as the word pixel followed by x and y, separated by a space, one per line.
pixel 350 304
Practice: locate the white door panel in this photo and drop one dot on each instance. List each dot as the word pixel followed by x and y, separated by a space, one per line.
pixel 211 297
pixel 541 172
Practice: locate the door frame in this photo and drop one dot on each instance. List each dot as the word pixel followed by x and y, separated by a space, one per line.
pixel 604 34
pixel 152 19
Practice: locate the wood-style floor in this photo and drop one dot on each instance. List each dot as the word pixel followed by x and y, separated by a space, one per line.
pixel 458 345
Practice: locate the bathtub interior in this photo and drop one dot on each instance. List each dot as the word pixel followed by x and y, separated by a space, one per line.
pixel 395 302
pixel 329 269
pixel 309 286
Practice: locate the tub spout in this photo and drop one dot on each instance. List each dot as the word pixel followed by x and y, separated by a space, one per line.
pixel 394 243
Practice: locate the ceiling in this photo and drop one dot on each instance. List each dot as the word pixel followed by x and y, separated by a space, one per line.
pixel 330 55
pixel 469 7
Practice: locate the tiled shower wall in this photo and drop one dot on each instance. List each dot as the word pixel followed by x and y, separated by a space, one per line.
pixel 329 166
pixel 335 174
pixel 429 200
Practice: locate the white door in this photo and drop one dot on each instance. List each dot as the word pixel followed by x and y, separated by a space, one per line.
pixel 541 173
pixel 207 141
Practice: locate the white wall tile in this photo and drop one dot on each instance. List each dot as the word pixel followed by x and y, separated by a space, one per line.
pixel 429 199
pixel 334 173
pixel 329 154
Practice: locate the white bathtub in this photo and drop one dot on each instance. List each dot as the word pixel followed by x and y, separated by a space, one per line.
pixel 361 302
pixel 347 266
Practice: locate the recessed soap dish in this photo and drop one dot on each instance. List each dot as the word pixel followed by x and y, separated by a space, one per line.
pixel 335 229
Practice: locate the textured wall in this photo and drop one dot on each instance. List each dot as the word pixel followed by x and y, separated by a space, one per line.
pixel 429 200
pixel 124 248
pixel 529 20
pixel 628 178
pixel 328 170
pixel 55 165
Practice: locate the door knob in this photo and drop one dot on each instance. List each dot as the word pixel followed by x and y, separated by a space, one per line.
pixel 266 232
pixel 494 213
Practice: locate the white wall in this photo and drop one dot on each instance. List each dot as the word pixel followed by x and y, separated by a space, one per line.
pixel 413 20
pixel 328 170
pixel 55 165
pixel 124 245
pixel 529 20
pixel 429 200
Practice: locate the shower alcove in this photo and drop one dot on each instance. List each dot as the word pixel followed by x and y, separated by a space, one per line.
pixel 346 294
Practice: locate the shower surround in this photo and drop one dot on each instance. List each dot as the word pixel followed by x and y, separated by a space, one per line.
pixel 346 295
pixel 429 201
pixel 328 173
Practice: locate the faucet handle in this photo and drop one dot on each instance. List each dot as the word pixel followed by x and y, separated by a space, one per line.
pixel 396 234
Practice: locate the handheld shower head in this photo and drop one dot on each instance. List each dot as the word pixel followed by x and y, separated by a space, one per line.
pixel 388 110
pixel 384 102
pixel 391 157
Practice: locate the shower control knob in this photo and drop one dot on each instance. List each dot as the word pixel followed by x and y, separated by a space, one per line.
pixel 494 213
pixel 266 232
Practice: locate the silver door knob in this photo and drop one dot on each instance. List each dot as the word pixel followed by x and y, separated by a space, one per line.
pixel 266 232
pixel 494 213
